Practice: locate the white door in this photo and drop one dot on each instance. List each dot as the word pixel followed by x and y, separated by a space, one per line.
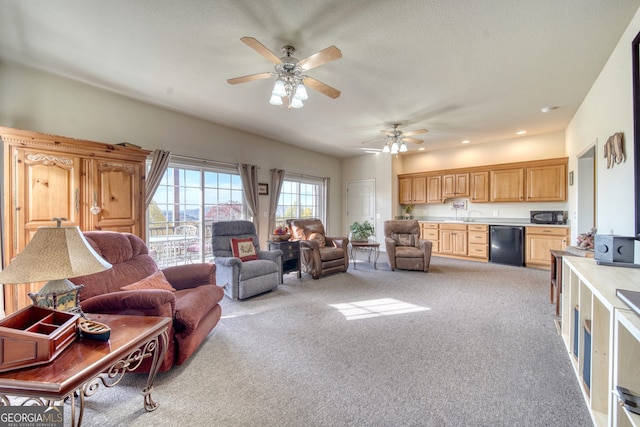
pixel 361 202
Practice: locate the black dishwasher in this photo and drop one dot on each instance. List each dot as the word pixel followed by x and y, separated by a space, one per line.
pixel 507 245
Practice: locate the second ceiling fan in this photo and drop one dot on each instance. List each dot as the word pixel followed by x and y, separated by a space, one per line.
pixel 290 80
pixel 396 139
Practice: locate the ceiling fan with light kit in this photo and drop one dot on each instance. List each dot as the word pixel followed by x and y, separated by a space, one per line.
pixel 290 80
pixel 396 139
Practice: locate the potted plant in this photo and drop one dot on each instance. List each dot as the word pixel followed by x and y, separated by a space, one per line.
pixel 407 211
pixel 361 231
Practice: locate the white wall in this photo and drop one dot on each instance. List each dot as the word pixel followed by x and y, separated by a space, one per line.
pixel 42 102
pixel 607 109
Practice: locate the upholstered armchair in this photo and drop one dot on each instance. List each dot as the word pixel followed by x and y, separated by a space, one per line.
pixel 319 255
pixel 405 249
pixel 241 266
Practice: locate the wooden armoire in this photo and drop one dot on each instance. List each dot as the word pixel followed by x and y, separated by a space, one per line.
pixel 94 185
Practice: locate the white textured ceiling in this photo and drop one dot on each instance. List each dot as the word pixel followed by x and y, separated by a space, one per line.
pixel 465 69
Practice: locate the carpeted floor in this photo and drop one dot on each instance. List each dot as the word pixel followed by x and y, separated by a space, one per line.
pixel 468 344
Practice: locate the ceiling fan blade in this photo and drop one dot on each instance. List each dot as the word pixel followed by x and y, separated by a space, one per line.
pixel 261 49
pixel 326 55
pixel 414 140
pixel 249 78
pixel 415 132
pixel 373 140
pixel 321 87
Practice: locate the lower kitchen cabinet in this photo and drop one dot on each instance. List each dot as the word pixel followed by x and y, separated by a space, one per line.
pixel 453 239
pixel 430 231
pixel 478 238
pixel 540 241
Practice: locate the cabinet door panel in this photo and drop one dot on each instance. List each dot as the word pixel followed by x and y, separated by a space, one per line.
pixel 405 191
pixel 507 185
pixel 419 189
pixel 479 191
pixel 47 188
pixel 434 194
pixel 547 183
pixel 117 191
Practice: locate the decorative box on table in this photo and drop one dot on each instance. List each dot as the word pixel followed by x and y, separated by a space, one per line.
pixel 34 336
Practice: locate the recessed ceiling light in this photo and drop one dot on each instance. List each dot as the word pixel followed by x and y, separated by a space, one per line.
pixel 521 132
pixel 466 141
pixel 547 109
pixel 421 149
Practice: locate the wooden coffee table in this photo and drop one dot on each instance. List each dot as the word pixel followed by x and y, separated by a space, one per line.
pixel 80 369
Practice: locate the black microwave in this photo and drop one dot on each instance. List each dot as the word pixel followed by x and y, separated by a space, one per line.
pixel 548 217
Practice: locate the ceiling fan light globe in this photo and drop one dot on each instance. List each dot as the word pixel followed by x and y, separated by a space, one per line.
pixel 296 103
pixel 394 147
pixel 301 92
pixel 275 100
pixel 386 148
pixel 403 147
pixel 279 89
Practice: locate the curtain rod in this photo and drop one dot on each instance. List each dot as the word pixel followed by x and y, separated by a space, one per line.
pixel 301 175
pixel 179 157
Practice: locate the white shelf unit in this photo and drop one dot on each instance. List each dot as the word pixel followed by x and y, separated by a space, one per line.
pixel 626 363
pixel 589 299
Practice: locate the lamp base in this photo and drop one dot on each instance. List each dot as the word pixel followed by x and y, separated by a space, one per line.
pixel 60 295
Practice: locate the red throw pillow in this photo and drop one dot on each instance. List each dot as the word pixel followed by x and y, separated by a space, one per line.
pixel 244 249
pixel 155 281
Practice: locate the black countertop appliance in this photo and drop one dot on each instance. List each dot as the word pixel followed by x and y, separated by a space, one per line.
pixel 507 245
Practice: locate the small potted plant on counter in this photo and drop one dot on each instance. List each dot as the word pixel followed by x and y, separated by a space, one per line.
pixel 407 211
pixel 361 231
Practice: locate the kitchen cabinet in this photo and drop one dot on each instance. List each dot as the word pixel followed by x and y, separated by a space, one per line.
pixel 453 239
pixel 91 185
pixel 430 231
pixel 434 189
pixel 479 187
pixel 546 183
pixel 540 241
pixel 478 238
pixel 506 185
pixel 455 185
pixel 533 181
pixel 413 190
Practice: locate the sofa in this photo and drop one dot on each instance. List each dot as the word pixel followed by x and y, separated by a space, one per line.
pixel 186 293
pixel 319 254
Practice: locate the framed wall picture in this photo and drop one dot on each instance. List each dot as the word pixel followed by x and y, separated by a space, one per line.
pixel 263 189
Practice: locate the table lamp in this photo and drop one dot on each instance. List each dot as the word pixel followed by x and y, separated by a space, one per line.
pixel 55 254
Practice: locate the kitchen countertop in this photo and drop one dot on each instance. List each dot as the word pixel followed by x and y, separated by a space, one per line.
pixel 518 222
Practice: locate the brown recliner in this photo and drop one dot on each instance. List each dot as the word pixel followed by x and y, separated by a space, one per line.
pixel 319 255
pixel 405 249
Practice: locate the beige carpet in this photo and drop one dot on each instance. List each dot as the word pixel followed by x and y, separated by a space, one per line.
pixel 468 344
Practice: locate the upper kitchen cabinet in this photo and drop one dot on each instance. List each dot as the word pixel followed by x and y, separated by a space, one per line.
pixel 479 183
pixel 546 183
pixel 455 185
pixel 506 185
pixel 413 190
pixel 434 189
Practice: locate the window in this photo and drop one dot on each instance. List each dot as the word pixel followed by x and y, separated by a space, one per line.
pixel 188 200
pixel 301 198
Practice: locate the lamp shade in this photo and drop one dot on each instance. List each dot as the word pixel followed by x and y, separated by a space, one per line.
pixel 275 100
pixel 54 253
pixel 279 89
